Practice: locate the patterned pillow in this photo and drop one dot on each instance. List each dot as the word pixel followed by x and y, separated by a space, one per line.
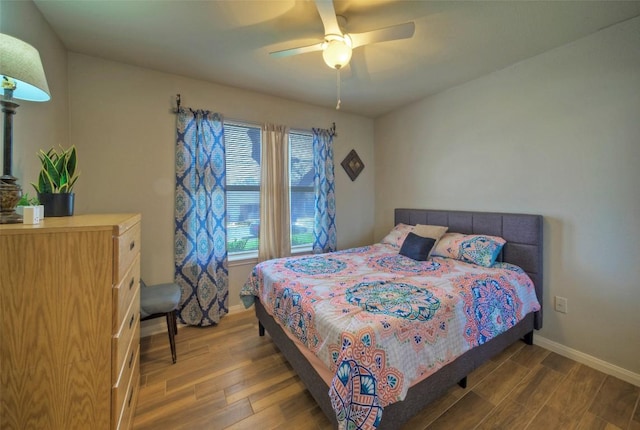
pixel 397 236
pixel 472 248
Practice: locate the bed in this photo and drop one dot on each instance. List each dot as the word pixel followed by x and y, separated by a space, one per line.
pixel 427 381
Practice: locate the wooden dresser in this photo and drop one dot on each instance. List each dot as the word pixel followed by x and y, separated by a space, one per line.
pixel 70 323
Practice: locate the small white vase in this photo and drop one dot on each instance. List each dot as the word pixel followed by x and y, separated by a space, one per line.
pixel 32 214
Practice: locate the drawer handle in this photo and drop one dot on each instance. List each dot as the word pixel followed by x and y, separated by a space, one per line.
pixel 132 245
pixel 130 397
pixel 133 318
pixel 132 282
pixel 131 360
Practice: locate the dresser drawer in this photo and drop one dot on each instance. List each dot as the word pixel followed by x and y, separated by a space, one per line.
pixel 124 293
pixel 128 331
pixel 124 394
pixel 127 246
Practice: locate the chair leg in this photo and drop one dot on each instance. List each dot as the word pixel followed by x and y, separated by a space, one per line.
pixel 175 322
pixel 171 325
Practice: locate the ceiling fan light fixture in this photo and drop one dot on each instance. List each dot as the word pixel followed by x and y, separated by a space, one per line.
pixel 337 52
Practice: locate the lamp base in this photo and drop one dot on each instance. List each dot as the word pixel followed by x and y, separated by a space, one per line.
pixel 10 194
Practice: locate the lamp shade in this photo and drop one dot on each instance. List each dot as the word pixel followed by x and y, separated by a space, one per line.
pixel 20 63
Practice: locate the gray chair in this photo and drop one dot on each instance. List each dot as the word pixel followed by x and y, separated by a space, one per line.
pixel 161 301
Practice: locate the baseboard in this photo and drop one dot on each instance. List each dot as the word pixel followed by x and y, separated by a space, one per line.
pixel 588 360
pixel 159 325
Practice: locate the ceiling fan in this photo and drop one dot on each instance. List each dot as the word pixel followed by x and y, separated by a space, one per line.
pixel 337 46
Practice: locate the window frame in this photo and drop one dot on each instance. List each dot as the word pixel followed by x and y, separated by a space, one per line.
pixel 295 249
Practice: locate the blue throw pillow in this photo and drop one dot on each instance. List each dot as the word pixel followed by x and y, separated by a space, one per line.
pixel 417 247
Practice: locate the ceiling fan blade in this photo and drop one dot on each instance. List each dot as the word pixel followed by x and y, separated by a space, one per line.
pixel 296 51
pixel 328 16
pixel 395 32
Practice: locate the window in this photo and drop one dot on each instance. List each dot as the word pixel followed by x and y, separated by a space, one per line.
pixel 242 143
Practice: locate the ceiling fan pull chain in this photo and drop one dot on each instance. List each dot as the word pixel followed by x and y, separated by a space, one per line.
pixel 338 85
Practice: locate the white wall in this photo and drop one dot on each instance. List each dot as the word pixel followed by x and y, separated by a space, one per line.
pixel 37 125
pixel 123 127
pixel 557 135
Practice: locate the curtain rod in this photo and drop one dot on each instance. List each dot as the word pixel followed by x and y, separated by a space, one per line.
pixel 177 110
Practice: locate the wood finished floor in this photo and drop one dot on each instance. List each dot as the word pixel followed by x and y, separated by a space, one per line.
pixel 227 377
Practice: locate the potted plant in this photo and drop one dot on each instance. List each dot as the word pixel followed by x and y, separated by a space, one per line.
pixel 56 180
pixel 27 200
pixel 30 209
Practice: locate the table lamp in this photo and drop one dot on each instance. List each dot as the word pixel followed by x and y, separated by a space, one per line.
pixel 22 77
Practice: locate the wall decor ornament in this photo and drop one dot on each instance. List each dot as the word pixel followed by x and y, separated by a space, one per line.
pixel 352 164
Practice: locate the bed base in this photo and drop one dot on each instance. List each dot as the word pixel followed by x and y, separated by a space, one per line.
pixel 418 396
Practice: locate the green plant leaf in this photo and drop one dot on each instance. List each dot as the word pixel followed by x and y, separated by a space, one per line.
pixel 24 200
pixel 72 183
pixel 60 165
pixel 51 170
pixel 72 161
pixel 44 183
pixel 27 200
pixel 64 178
pixel 49 185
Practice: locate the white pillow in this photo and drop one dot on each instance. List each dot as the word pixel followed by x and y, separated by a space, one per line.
pixel 430 231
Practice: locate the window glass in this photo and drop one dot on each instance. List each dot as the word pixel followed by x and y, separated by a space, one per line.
pixel 242 144
pixel 302 197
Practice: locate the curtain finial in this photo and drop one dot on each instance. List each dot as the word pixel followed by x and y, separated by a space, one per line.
pixel 177 108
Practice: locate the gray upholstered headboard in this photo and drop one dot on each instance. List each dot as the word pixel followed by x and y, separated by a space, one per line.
pixel 522 232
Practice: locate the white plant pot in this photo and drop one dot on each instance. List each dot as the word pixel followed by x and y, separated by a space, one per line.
pixel 32 214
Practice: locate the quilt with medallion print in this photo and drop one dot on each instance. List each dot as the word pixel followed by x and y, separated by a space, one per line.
pixel 381 321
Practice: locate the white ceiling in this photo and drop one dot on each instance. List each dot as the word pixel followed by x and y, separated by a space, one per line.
pixel 228 42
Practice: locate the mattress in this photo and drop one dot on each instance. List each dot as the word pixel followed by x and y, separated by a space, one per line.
pixel 380 322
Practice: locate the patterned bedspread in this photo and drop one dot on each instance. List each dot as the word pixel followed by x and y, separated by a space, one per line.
pixel 381 321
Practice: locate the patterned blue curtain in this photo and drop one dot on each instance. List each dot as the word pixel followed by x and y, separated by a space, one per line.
pixel 200 225
pixel 324 226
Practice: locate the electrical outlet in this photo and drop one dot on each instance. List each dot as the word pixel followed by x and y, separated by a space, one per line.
pixel 561 304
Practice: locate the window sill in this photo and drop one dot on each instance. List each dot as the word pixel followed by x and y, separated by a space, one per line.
pixel 251 257
pixel 241 258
